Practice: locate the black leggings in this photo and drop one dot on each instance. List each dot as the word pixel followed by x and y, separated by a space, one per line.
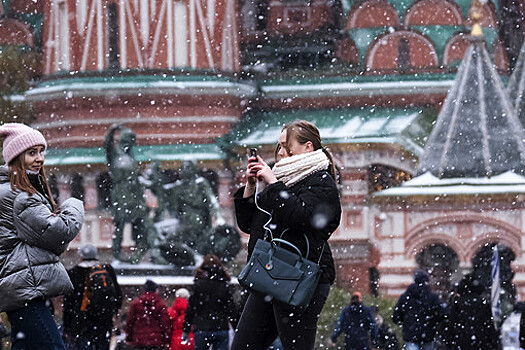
pixel 262 320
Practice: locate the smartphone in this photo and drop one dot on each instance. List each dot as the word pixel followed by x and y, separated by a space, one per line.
pixel 253 154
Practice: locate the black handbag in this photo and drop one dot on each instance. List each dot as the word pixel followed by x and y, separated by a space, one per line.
pixel 280 273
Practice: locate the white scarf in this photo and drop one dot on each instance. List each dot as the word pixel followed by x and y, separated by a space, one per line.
pixel 293 169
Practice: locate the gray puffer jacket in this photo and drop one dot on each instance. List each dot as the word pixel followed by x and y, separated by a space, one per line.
pixel 31 239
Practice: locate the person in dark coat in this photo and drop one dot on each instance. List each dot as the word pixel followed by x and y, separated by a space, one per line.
pixel 93 329
pixel 148 324
pixel 211 306
pixel 418 311
pixel 300 198
pixel 358 323
pixel 471 323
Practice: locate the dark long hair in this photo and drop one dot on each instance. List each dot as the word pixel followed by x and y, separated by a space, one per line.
pixel 19 180
pixel 304 131
pixel 212 268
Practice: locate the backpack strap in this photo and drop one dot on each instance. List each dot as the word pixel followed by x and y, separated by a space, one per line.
pixel 87 287
pixel 85 297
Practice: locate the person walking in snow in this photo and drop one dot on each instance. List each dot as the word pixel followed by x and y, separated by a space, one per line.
pixel 148 324
pixel 358 323
pixel 300 199
pixel 211 307
pixel 34 232
pixel 471 323
pixel 419 311
pixel 90 307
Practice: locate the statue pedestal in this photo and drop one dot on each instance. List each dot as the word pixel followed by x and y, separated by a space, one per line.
pixel 129 275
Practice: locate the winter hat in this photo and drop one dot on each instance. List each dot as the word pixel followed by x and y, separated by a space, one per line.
pixel 151 286
pixel 356 296
pixel 88 252
pixel 18 138
pixel 421 277
pixel 182 293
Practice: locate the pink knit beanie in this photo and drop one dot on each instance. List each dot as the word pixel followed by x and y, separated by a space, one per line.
pixel 18 138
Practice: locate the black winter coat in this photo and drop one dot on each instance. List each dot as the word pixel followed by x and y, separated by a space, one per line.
pixel 210 306
pixel 419 311
pixel 78 323
pixel 311 207
pixel 471 325
pixel 358 323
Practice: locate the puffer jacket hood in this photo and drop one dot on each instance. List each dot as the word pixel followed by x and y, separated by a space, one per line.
pixel 32 237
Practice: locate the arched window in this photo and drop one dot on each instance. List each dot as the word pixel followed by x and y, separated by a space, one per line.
pixel 482 269
pixel 392 51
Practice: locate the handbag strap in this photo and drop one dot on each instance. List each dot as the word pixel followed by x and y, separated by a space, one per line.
pixel 279 240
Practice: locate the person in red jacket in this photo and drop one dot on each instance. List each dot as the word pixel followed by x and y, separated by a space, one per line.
pixel 148 324
pixel 177 313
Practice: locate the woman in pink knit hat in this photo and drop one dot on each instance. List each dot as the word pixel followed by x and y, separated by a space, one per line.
pixel 34 231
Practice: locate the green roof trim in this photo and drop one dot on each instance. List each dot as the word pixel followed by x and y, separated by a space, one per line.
pixel 168 83
pixel 408 127
pixel 138 78
pixel 336 79
pixel 97 155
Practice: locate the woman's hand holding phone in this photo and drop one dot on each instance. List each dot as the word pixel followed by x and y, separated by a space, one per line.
pixel 262 171
pixel 251 174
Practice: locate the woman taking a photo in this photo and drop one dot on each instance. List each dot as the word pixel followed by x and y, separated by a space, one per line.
pixel 300 199
pixel 33 233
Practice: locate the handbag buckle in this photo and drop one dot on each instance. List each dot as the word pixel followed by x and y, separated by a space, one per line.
pixel 269 265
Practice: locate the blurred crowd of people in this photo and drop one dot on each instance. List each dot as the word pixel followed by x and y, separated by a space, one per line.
pixel 464 322
pixel 196 320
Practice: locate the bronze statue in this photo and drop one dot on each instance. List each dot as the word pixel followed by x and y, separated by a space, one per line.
pixel 191 200
pixel 127 194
